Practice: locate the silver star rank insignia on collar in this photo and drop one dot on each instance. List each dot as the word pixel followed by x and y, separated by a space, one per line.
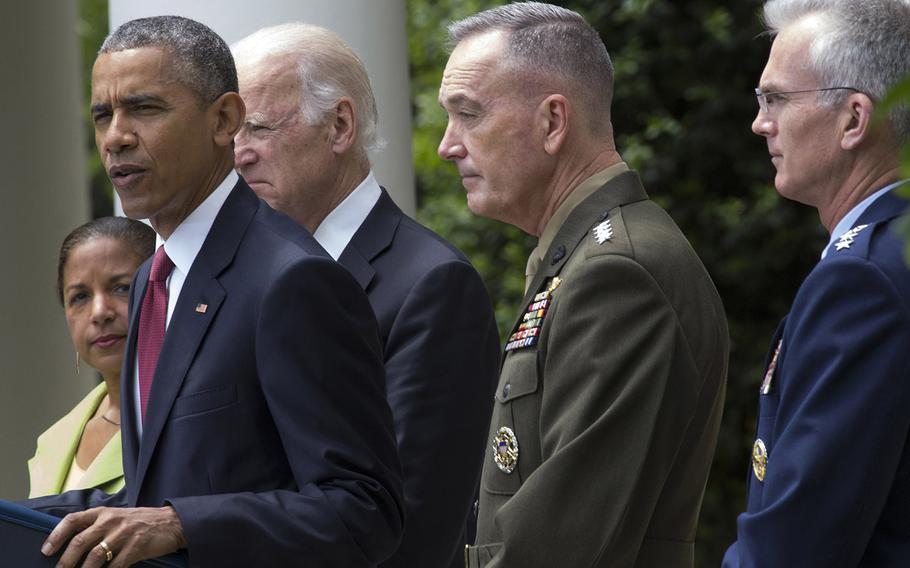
pixel 847 238
pixel 603 232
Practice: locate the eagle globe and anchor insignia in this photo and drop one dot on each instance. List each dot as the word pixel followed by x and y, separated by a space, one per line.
pixel 505 449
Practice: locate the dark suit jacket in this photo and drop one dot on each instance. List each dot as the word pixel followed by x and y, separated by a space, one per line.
pixel 835 422
pixel 441 362
pixel 615 408
pixel 267 427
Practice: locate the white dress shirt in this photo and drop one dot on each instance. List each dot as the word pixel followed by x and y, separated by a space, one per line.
pixel 339 226
pixel 182 247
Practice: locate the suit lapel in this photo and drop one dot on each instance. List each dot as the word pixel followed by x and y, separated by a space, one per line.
pixel 57 446
pixel 128 428
pixel 188 325
pixel 48 468
pixel 358 265
pixel 374 236
pixel 184 334
pixel 623 189
pixel 106 466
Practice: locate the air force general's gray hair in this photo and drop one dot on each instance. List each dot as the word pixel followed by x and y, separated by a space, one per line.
pixel 551 42
pixel 201 59
pixel 864 44
pixel 328 69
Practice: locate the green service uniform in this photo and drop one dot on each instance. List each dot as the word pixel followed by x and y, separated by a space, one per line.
pixel 610 396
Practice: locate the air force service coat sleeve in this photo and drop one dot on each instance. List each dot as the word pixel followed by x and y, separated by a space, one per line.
pixel 605 421
pixel 829 483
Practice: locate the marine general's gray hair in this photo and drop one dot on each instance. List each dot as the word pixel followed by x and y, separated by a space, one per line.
pixel 201 59
pixel 328 70
pixel 864 44
pixel 550 41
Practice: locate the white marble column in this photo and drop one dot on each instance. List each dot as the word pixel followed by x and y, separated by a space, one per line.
pixel 43 195
pixel 375 29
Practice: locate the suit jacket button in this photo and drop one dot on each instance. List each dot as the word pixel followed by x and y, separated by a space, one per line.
pixel 506 389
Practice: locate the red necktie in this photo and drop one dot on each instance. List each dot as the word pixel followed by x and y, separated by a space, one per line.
pixel 152 321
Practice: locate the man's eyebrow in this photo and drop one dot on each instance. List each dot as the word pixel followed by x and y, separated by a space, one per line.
pixel 256 119
pixel 140 98
pixel 455 100
pixel 129 100
pixel 100 107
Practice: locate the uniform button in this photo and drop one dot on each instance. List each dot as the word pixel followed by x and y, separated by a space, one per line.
pixel 506 389
pixel 558 255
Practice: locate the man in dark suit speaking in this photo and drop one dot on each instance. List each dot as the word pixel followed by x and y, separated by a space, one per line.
pixel 311 119
pixel 255 427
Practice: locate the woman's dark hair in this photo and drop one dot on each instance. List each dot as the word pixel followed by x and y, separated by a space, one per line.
pixel 135 234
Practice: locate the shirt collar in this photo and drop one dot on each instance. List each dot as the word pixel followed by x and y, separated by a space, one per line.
pixel 579 194
pixel 847 222
pixel 185 242
pixel 339 226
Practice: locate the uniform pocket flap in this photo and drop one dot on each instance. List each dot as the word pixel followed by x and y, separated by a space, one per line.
pixel 521 379
pixel 479 556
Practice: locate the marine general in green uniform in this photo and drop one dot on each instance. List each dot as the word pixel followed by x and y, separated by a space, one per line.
pixel 612 384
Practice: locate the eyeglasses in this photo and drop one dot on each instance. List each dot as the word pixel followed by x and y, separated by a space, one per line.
pixel 767 100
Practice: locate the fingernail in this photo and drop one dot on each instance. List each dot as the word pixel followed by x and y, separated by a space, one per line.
pixel 45 549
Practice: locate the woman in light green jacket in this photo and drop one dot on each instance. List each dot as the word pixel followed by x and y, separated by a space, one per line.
pixel 96 265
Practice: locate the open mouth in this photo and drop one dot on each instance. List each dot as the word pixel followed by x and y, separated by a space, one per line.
pixel 124 175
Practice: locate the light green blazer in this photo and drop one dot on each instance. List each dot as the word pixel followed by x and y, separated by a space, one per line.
pixel 58 444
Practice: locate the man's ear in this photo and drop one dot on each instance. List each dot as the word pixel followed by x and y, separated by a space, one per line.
pixel 555 111
pixel 858 123
pixel 344 126
pixel 228 112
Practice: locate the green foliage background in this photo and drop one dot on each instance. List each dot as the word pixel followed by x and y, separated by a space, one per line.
pixel 92 31
pixel 682 110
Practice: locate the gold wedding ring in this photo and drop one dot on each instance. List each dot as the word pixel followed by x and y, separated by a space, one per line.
pixel 108 553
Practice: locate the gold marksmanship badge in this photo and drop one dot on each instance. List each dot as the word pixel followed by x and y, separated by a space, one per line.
pixel 759 459
pixel 505 449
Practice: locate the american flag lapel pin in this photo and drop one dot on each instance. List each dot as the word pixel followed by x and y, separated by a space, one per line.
pixel 200 308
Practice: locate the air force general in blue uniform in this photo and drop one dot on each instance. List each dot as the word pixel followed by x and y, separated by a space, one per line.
pixel 830 478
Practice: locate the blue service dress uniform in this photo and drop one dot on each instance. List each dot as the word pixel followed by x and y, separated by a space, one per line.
pixel 829 483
